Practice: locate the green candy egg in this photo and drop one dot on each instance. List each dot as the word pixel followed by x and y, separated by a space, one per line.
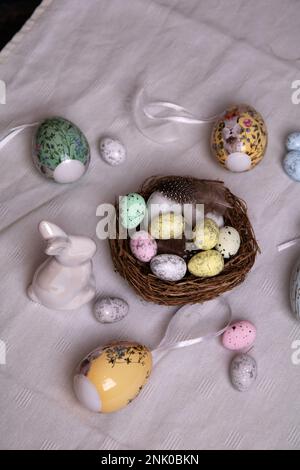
pixel 61 151
pixel 132 210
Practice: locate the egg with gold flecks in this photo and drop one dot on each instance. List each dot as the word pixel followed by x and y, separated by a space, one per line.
pixel 109 378
pixel 61 151
pixel 239 138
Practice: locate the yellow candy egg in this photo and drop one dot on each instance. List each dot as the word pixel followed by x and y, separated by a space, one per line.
pixel 166 226
pixel 206 235
pixel 239 138
pixel 206 264
pixel 110 378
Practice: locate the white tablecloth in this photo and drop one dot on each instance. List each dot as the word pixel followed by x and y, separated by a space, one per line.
pixel 81 60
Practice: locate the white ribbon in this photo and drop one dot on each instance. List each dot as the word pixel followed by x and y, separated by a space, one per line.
pixel 285 245
pixel 182 316
pixel 185 116
pixel 13 132
pixel 158 120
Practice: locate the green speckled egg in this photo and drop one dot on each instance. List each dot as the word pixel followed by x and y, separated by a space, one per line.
pixel 61 151
pixel 132 210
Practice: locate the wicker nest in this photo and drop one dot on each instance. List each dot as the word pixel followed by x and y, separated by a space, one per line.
pixel 190 289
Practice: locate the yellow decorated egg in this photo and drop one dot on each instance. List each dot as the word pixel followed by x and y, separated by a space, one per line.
pixel 110 378
pixel 206 264
pixel 239 138
pixel 206 235
pixel 166 226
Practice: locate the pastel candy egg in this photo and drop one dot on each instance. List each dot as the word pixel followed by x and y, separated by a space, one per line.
pixel 295 290
pixel 239 138
pixel 168 267
pixel 158 203
pixel 110 309
pixel 132 210
pixel 229 242
pixel 61 151
pixel 143 246
pixel 112 151
pixel 293 141
pixel 206 264
pixel 291 165
pixel 166 226
pixel 206 234
pixel 239 335
pixel 110 378
pixel 243 372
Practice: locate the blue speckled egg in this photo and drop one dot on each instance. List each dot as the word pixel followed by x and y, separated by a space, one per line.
pixel 293 141
pixel 291 165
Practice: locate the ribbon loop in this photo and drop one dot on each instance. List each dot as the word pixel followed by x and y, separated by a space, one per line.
pixel 13 132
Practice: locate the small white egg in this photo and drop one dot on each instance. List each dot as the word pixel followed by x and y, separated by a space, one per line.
pixel 112 151
pixel 229 242
pixel 243 372
pixel 110 309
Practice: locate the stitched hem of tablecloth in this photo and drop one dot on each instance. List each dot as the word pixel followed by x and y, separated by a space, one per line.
pixel 19 36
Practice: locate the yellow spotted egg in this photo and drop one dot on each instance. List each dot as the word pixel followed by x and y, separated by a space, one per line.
pixel 110 378
pixel 206 234
pixel 206 264
pixel 167 226
pixel 239 138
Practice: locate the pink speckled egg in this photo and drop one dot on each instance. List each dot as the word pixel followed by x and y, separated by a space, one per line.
pixel 143 246
pixel 239 335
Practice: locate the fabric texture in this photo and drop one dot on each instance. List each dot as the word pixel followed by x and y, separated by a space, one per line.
pixel 82 60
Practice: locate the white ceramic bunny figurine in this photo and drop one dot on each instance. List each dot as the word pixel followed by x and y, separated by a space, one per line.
pixel 65 281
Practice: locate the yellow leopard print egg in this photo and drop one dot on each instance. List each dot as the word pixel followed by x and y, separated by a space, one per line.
pixel 239 138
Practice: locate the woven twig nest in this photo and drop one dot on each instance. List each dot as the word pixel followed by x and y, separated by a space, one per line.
pixel 190 289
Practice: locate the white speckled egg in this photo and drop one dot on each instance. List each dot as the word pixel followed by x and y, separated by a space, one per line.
pixel 291 164
pixel 229 241
pixel 110 309
pixel 160 204
pixel 243 372
pixel 112 151
pixel 293 141
pixel 143 246
pixel 168 267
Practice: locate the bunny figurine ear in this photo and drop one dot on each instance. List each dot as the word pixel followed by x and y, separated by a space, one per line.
pixel 48 230
pixel 56 245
